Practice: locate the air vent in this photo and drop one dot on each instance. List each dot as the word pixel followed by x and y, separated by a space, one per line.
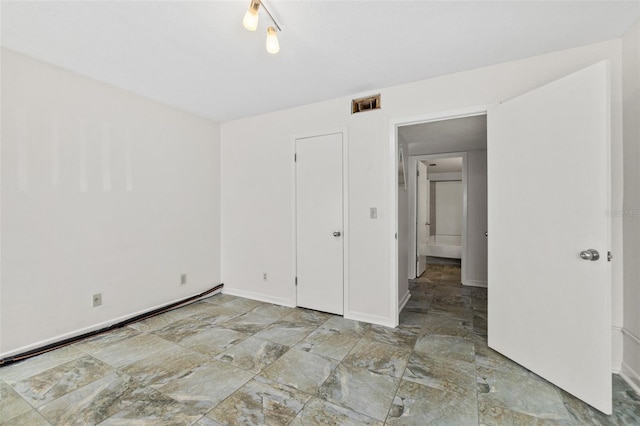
pixel 365 104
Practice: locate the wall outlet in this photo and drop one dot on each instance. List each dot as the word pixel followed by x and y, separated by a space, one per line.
pixel 264 276
pixel 183 279
pixel 97 299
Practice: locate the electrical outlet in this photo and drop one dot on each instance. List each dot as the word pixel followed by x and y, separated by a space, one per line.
pixel 97 299
pixel 183 279
pixel 264 276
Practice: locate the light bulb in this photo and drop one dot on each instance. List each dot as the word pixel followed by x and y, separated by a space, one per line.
pixel 272 41
pixel 250 20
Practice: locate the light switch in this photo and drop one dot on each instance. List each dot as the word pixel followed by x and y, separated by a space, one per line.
pixel 373 212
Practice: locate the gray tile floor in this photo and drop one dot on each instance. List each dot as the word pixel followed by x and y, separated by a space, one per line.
pixel 228 361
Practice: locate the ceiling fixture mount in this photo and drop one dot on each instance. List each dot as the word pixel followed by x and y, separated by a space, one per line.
pixel 250 22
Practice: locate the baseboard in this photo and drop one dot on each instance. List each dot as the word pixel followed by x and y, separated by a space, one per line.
pixel 404 301
pixel 89 329
pixel 371 319
pixel 616 349
pixel 475 283
pixel 258 296
pixel 631 354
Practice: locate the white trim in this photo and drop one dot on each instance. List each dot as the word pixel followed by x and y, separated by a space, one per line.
pixel 475 283
pixel 344 131
pixel 631 376
pixel 413 231
pixel 259 296
pixel 404 301
pixel 371 319
pixel 394 123
pixel 94 327
pixel 617 342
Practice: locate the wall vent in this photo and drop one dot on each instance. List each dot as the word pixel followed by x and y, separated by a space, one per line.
pixel 365 104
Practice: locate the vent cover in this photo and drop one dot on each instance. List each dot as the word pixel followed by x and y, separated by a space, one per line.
pixel 365 104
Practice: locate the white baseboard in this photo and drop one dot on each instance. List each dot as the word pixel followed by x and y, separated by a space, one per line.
pixel 258 296
pixel 89 329
pixel 371 319
pixel 404 301
pixel 616 349
pixel 475 283
pixel 630 370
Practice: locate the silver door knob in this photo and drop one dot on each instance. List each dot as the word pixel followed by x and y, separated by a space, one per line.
pixel 590 254
pixel 337 234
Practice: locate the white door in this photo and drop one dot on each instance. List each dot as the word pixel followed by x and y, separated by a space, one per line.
pixel 548 186
pixel 319 213
pixel 422 221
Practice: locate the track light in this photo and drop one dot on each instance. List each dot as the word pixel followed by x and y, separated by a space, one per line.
pixel 250 22
pixel 272 41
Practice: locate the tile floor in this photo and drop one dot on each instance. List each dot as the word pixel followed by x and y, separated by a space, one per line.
pixel 228 361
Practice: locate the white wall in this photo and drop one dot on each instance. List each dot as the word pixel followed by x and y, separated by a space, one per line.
pixel 631 207
pixel 257 176
pixel 103 192
pixel 476 271
pixel 448 208
pixel 404 257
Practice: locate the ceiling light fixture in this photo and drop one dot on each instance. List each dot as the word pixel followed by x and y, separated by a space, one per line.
pixel 250 22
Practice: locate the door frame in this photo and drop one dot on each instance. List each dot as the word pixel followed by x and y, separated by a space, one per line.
pixel 392 179
pixel 345 212
pixel 413 213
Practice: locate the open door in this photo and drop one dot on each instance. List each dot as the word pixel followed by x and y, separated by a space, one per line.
pixel 548 193
pixel 422 218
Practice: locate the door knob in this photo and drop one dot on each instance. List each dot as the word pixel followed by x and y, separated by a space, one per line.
pixel 337 234
pixel 590 254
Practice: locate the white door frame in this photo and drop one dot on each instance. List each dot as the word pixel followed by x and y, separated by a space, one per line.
pixel 413 231
pixel 394 124
pixel 345 211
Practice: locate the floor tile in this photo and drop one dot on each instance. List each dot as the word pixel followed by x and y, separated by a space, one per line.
pixel 198 308
pixel 360 390
pixel 411 321
pixel 273 311
pixel 217 314
pixel 286 332
pixel 301 370
pixel 391 336
pixel 100 341
pixel 205 385
pixel 441 372
pixel 342 325
pixel 61 380
pixel 154 409
pixel 455 348
pixel 330 343
pixel 21 370
pixel 529 394
pixel 31 418
pixel 320 412
pixel 253 354
pixel 164 366
pixel 159 321
pixel 213 341
pixel 415 404
pixel 11 404
pixel 220 298
pixel 95 402
pixel 380 358
pixel 181 329
pixel 443 325
pixel 307 317
pixel 244 305
pixel 260 402
pixel 248 323
pixel 131 350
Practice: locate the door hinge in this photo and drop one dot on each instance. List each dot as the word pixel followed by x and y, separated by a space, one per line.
pixel 609 256
pixel 418 173
pixel 296 280
pixel 295 157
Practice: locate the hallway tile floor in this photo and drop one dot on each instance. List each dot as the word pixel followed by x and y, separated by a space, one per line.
pixel 232 361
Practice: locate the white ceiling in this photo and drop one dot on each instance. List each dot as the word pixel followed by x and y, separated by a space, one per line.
pixel 444 165
pixel 455 135
pixel 196 55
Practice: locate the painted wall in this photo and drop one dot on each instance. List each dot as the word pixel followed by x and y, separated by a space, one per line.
pixel 103 192
pixel 630 216
pixel 257 176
